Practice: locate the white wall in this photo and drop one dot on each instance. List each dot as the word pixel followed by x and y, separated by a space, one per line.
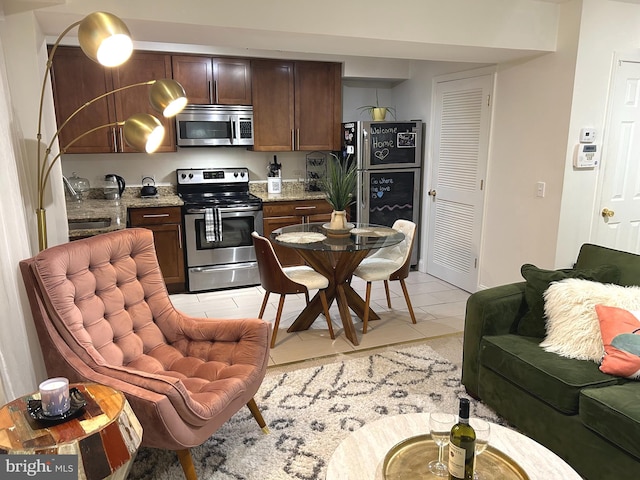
pixel 532 109
pixel 133 166
pixel 26 58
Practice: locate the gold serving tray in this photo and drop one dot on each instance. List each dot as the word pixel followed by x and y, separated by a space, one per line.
pixel 409 459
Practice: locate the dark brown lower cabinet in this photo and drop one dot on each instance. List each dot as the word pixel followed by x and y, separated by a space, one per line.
pixel 166 225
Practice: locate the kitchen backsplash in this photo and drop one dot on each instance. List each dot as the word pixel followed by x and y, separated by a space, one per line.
pixel 162 166
pixel 258 187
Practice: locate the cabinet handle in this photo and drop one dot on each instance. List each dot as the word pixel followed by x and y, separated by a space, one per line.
pixel 215 90
pixel 297 139
pixel 293 140
pixel 155 215
pixel 310 207
pixel 210 87
pixel 180 236
pixel 120 129
pixel 114 139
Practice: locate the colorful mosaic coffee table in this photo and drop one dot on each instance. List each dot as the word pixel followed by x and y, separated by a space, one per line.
pixel 105 434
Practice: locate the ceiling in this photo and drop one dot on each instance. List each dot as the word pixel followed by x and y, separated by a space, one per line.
pixel 268 36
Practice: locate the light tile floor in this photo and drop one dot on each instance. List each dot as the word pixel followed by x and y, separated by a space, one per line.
pixel 439 308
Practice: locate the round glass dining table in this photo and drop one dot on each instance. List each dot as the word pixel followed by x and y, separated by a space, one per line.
pixel 336 258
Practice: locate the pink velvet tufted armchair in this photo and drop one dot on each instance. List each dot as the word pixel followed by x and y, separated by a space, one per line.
pixel 103 315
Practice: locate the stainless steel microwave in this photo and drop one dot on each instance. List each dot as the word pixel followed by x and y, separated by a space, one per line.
pixel 214 125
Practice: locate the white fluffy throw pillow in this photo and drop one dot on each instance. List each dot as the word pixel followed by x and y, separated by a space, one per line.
pixel 573 329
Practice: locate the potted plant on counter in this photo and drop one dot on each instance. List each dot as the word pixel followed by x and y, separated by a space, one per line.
pixel 339 185
pixel 377 112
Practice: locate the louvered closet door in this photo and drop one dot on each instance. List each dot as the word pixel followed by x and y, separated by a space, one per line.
pixel 458 170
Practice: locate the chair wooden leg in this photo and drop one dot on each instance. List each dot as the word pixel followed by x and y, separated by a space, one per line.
pixel 264 303
pixel 255 411
pixel 306 296
pixel 277 322
pixel 325 307
pixel 367 302
pixel 386 291
pixel 406 297
pixel 187 464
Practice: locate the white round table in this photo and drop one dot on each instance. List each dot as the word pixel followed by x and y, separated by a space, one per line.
pixel 361 455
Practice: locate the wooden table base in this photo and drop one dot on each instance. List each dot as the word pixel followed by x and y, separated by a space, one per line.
pixel 338 267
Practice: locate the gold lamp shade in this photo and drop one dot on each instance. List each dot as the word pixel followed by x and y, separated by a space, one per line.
pixel 143 132
pixel 167 97
pixel 105 39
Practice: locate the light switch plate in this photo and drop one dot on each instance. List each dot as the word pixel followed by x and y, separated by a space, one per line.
pixel 587 135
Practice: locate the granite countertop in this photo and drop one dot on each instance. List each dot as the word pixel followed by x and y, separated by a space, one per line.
pixel 292 190
pixel 95 207
pixel 291 196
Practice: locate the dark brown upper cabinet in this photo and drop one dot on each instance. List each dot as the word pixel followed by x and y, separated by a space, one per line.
pixel 76 80
pixel 297 105
pixel 213 81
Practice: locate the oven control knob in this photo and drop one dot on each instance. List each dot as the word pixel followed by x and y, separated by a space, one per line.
pixel 235 174
pixel 184 175
pixel 242 174
pixel 191 175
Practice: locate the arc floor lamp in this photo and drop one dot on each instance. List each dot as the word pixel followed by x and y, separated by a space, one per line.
pixel 105 39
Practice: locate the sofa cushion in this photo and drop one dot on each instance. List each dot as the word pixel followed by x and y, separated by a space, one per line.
pixel 621 336
pixel 614 413
pixel 538 280
pixel 572 322
pixel 553 379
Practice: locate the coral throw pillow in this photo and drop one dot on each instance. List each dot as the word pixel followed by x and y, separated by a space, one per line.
pixel 620 330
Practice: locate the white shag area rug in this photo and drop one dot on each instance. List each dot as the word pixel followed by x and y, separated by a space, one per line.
pixel 311 410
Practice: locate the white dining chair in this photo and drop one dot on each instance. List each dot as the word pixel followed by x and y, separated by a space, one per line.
pixel 389 263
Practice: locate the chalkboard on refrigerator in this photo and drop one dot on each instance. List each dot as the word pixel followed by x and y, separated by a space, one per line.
pixel 392 196
pixel 393 143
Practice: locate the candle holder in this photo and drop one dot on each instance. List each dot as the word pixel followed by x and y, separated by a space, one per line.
pixel 54 395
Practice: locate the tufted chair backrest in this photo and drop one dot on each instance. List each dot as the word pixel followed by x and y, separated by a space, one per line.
pixel 106 292
pixel 401 252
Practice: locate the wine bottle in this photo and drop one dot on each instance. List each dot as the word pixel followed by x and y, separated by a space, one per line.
pixel 462 445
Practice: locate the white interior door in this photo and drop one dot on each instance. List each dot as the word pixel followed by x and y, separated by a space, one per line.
pixel 617 221
pixel 460 145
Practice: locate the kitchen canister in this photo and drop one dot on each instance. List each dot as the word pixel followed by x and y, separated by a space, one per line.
pixel 274 185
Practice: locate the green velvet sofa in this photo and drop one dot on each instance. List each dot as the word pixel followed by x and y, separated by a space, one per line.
pixel 589 418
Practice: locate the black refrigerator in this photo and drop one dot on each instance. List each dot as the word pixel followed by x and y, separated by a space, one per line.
pixel 389 159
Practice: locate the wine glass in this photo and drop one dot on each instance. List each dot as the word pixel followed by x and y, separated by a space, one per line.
pixel 483 431
pixel 440 424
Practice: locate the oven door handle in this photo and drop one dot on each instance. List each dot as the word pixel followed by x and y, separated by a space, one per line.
pixel 218 268
pixel 225 209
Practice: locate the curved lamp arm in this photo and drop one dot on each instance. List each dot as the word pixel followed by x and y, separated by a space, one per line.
pixel 142 131
pixel 42 177
pixel 104 38
pixel 93 100
pixel 42 90
pixel 47 170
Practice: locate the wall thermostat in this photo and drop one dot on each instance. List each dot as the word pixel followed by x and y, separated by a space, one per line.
pixel 587 156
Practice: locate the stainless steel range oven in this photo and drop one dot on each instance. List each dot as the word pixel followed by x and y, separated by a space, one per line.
pixel 219 215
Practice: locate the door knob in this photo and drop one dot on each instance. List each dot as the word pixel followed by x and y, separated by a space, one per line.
pixel 606 213
pixel 432 193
